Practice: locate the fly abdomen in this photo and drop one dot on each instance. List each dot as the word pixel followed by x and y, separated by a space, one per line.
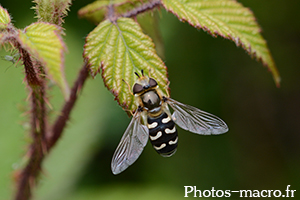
pixel 163 134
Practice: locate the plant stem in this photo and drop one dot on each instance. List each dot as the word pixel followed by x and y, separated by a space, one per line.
pixel 43 143
pixel 28 175
pixel 26 179
pixel 143 8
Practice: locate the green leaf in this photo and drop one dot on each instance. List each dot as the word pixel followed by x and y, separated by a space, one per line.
pixel 44 42
pixel 228 19
pixel 96 11
pixel 52 11
pixel 4 18
pixel 120 49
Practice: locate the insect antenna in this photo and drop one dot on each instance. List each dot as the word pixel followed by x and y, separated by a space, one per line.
pixel 142 72
pixel 137 74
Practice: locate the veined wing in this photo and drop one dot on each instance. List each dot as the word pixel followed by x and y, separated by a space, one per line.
pixel 131 145
pixel 196 120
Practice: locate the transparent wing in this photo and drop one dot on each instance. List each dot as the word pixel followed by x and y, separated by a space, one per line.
pixel 131 145
pixel 196 120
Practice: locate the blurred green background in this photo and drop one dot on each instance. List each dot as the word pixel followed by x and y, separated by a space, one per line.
pixel 260 151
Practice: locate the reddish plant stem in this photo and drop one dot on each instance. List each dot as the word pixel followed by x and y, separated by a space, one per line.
pixel 26 178
pixel 143 8
pixel 61 121
pixel 43 143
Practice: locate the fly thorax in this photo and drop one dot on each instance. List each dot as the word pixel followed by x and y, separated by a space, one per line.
pixel 151 100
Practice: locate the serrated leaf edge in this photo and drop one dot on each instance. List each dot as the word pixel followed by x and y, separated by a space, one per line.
pixel 5 12
pixel 103 69
pixel 58 32
pixel 82 11
pixel 247 47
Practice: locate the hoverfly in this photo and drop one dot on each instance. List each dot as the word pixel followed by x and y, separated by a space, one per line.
pixel 153 119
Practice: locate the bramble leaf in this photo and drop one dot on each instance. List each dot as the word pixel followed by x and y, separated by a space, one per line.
pixel 228 19
pixel 52 11
pixel 120 48
pixel 44 42
pixel 96 11
pixel 4 18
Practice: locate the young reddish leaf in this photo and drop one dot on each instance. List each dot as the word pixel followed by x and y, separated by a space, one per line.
pixel 120 49
pixel 228 19
pixel 4 18
pixel 44 42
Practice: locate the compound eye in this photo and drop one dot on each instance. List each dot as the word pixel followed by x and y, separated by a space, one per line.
pixel 137 88
pixel 152 82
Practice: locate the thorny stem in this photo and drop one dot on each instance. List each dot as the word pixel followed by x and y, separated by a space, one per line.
pixel 26 178
pixel 134 12
pixel 143 8
pixel 43 143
